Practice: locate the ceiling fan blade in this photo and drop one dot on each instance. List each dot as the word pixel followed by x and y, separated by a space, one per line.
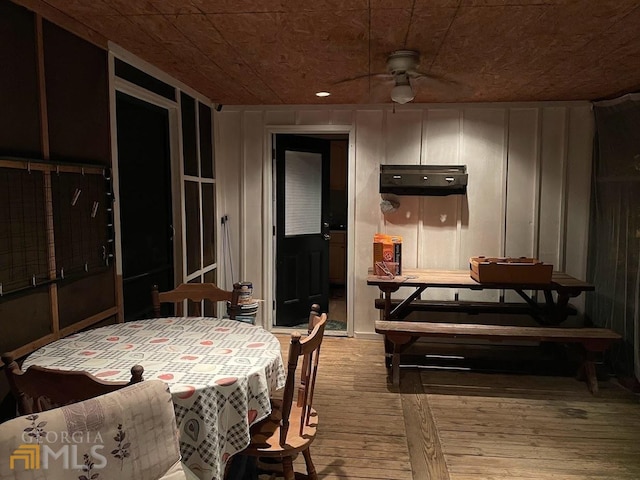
pixel 415 74
pixel 439 82
pixel 445 86
pixel 380 91
pixel 358 77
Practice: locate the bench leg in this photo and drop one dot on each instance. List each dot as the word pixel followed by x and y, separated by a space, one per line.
pixel 395 369
pixel 388 352
pixel 398 343
pixel 587 372
pixel 592 378
pixel 591 347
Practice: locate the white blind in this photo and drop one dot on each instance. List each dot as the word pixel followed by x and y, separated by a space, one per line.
pixel 302 193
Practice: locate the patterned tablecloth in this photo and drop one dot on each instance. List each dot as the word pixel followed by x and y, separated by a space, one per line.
pixel 220 374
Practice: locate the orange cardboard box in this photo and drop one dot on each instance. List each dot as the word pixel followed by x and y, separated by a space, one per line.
pixel 388 249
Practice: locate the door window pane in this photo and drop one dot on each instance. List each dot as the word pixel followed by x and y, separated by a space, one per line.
pixel 189 144
pixel 303 193
pixel 192 216
pixel 208 224
pixel 206 144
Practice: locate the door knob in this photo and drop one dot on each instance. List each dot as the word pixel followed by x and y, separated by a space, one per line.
pixel 327 236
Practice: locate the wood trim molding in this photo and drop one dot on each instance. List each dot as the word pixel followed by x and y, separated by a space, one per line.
pixel 52 337
pixel 32 346
pixel 87 322
pixel 52 14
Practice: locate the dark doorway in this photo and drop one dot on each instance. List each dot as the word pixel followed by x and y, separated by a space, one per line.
pixel 144 174
pixel 302 227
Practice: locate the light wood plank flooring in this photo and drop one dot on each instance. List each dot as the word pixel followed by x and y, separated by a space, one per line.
pixel 451 425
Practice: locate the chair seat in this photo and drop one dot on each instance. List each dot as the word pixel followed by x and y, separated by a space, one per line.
pixel 265 435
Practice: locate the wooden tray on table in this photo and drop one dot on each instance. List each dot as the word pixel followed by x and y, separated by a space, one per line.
pixel 510 270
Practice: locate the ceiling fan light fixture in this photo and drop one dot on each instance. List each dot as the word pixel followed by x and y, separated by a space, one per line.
pixel 402 94
pixel 322 94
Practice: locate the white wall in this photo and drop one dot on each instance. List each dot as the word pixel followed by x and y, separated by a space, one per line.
pixel 529 169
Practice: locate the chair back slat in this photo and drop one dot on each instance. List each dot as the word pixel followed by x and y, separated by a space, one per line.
pixel 312 385
pixel 308 348
pixel 38 389
pixel 312 360
pixel 191 292
pixel 314 319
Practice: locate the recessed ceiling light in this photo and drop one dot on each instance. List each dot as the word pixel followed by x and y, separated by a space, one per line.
pixel 322 94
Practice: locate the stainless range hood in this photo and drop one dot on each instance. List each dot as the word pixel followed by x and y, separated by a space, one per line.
pixel 436 180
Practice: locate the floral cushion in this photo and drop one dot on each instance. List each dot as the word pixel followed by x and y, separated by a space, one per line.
pixel 127 434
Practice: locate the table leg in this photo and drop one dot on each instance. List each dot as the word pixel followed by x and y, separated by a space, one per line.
pixel 387 290
pixel 401 309
pixel 386 315
pixel 536 312
pixel 558 311
pixel 561 311
pixel 555 311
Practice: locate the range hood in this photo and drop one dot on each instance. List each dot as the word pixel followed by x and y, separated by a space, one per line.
pixel 435 180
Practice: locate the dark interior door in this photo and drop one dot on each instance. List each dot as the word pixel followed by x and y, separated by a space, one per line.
pixel 144 173
pixel 302 227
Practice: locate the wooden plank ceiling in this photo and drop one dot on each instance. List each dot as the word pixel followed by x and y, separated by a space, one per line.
pixel 255 52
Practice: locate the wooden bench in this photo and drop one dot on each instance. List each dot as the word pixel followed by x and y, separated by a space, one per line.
pixel 399 335
pixel 471 308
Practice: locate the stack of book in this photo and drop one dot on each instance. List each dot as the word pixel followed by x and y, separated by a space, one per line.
pixel 245 312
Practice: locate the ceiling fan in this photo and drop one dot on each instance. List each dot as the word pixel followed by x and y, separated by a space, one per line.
pixel 402 70
pixel 402 65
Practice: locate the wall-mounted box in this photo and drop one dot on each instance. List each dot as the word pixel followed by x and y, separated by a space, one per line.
pixel 436 180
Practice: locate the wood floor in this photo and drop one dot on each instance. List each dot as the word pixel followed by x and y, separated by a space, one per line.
pixel 463 425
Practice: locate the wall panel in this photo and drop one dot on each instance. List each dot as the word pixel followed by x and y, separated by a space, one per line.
pixel 77 97
pixel 280 117
pixel 341 117
pixel 482 218
pixel 517 201
pixel 82 298
pixel 229 146
pixel 553 161
pixel 521 183
pixel 20 311
pixel 19 90
pixel 403 139
pixel 439 238
pixel 253 178
pixel 578 194
pixel 313 117
pixel 522 187
pixel 369 152
pixel 441 215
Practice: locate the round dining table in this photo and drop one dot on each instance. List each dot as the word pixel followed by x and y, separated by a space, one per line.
pixel 221 374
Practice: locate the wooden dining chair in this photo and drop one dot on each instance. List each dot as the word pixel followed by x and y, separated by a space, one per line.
pixel 291 426
pixel 194 293
pixel 38 389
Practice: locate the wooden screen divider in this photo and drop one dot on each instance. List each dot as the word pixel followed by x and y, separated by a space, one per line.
pixel 38 245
